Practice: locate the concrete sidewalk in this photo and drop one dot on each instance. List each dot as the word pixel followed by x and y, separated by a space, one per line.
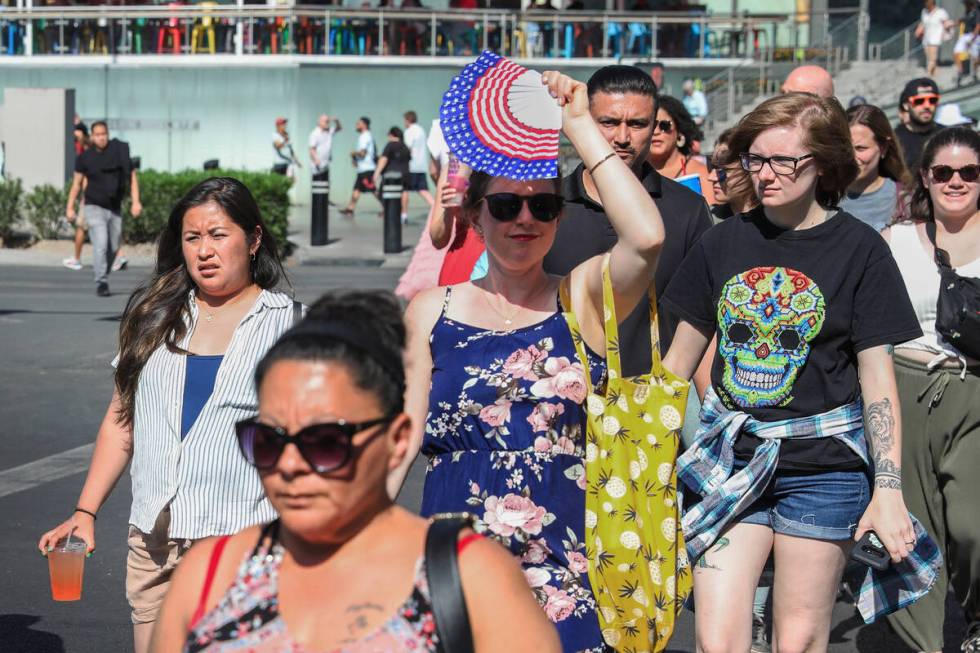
pixel 356 241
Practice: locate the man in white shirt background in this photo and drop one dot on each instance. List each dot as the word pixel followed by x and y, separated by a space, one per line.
pixel 933 29
pixel 694 101
pixel 284 162
pixel 363 158
pixel 321 143
pixel 418 166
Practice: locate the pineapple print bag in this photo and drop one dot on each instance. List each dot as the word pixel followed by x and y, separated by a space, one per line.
pixel 638 565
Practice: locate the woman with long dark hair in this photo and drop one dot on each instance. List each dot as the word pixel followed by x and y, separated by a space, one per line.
pixel 189 341
pixel 939 385
pixel 672 145
pixel 876 194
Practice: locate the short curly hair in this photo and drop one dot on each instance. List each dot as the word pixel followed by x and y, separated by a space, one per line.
pixel 826 135
pixel 683 122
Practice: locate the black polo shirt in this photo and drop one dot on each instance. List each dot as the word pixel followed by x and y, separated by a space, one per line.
pixel 585 231
pixel 108 174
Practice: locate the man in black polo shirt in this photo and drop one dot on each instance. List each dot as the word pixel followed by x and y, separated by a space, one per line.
pixel 623 102
pixel 108 174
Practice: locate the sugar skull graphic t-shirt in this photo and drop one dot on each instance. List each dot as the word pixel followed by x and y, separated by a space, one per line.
pixel 791 310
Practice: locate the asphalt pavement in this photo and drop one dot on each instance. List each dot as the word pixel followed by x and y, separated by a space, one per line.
pixel 56 342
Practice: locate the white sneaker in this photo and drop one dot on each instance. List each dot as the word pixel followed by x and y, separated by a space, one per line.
pixel 72 263
pixel 120 263
pixel 404 218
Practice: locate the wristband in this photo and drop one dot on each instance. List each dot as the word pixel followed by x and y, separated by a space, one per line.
pixel 601 161
pixel 87 512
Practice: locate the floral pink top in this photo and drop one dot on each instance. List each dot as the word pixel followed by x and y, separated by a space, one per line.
pixel 247 618
pixel 505 441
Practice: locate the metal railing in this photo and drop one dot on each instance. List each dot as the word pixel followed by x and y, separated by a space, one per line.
pixel 901 45
pixel 303 30
pixel 730 90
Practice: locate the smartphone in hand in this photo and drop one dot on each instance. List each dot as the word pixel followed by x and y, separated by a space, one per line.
pixel 870 551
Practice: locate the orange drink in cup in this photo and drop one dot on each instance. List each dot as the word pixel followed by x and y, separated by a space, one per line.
pixel 66 564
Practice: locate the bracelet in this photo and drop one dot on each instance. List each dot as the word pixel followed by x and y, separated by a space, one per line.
pixel 87 512
pixel 601 161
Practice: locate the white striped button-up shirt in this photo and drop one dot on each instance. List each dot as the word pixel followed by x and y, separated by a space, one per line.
pixel 210 488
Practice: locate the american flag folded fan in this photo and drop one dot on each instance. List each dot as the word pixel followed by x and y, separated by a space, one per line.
pixel 499 118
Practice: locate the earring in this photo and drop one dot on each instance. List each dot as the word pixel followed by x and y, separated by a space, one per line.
pixel 680 141
pixel 253 257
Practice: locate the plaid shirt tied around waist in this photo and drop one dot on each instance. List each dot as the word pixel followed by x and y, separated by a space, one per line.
pixel 706 468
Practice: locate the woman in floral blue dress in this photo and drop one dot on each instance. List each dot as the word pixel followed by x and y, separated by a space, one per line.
pixel 495 387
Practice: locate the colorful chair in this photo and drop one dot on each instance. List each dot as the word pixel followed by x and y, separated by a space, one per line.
pixel 13 34
pixel 170 28
pixel 204 27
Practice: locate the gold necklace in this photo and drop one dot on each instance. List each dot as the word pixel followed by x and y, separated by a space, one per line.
pixel 508 320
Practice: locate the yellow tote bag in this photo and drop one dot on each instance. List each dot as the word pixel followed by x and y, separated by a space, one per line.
pixel 638 565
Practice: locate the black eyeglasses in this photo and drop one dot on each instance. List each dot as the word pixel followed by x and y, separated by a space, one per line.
pixel 780 165
pixel 721 172
pixel 942 174
pixel 505 207
pixel 665 126
pixel 325 447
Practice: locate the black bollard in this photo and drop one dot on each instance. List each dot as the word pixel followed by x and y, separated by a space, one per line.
pixel 320 218
pixel 392 185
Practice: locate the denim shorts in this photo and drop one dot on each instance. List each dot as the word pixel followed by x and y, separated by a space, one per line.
pixel 819 505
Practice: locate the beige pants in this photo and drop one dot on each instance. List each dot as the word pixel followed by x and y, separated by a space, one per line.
pixel 151 561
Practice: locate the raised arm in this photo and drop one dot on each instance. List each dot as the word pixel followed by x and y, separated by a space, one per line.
pixel 443 217
pixel 627 204
pixel 886 515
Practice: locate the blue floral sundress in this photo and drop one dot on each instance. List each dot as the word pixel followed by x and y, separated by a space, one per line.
pixel 505 439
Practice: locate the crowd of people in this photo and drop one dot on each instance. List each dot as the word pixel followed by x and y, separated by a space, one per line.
pixel 801 277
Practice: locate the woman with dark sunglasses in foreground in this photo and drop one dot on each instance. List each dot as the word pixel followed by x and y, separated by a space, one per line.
pixel 939 385
pixel 342 569
pixel 495 388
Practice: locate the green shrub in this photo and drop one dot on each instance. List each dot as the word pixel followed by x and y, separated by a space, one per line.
pixel 159 192
pixel 45 208
pixel 11 206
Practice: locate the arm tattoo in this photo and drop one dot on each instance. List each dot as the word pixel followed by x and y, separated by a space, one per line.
pixel 881 436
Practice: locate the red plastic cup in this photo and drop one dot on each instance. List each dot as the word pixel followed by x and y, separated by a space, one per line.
pixel 66 564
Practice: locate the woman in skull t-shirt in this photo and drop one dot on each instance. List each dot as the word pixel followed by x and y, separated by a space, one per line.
pixel 804 301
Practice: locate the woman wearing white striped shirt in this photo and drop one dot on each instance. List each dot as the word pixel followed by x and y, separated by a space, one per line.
pixel 189 342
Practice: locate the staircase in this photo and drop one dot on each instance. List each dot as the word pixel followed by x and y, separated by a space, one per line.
pixel 879 78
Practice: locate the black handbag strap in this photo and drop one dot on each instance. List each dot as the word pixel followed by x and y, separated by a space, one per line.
pixel 297 312
pixel 445 588
pixel 941 255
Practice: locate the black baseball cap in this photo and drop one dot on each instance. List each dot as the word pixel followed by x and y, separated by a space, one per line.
pixel 917 87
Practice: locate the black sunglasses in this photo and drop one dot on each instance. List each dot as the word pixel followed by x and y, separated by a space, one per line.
pixel 665 126
pixel 505 207
pixel 720 171
pixel 325 447
pixel 942 174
